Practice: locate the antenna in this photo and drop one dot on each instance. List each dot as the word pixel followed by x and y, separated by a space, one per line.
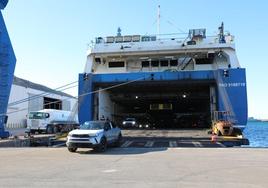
pixel 221 34
pixel 119 31
pixel 158 20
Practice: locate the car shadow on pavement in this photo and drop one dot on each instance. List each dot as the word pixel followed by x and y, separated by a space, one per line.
pixel 123 151
pixel 164 138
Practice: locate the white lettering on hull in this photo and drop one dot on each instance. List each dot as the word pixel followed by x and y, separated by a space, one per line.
pixel 235 84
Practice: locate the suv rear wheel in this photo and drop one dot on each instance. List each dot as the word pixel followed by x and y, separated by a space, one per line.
pixel 119 140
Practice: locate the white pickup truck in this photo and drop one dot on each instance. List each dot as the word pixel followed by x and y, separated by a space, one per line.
pixel 51 121
pixel 94 134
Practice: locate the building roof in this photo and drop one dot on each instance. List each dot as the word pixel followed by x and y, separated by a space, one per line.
pixel 26 83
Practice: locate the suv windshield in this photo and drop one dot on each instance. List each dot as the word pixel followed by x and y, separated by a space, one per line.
pixel 130 119
pixel 37 115
pixel 91 125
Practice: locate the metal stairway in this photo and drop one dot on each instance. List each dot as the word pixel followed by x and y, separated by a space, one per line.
pixel 7 66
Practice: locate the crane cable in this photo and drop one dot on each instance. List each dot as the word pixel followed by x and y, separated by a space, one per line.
pixel 84 94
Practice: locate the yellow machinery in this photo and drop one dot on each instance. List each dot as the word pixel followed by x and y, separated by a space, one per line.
pixel 223 126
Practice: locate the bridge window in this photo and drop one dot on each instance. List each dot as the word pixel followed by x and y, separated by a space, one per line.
pixel 116 64
pixel 202 61
pixel 174 62
pixel 145 64
pixel 98 60
pixel 164 63
pixel 155 63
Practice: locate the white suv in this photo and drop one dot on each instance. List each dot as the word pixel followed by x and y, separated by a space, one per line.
pixel 94 134
pixel 129 123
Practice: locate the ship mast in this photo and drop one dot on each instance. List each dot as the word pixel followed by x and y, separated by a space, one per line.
pixel 158 20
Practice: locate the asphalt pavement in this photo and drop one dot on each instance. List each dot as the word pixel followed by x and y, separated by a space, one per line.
pixel 134 167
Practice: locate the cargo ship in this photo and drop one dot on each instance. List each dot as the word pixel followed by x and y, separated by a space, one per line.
pixel 165 81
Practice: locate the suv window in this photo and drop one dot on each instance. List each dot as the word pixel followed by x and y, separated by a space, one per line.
pixel 107 125
pixel 130 119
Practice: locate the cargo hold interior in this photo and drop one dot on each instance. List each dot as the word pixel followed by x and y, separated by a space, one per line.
pixel 165 105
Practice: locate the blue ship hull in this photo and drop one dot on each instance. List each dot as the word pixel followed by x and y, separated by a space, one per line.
pixel 230 84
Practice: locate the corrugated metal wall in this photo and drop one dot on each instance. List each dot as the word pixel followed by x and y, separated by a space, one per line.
pixel 36 103
pixel 66 105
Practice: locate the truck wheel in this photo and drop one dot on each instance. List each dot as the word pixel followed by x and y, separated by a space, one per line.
pixel 55 129
pixel 103 145
pixel 72 150
pixel 49 129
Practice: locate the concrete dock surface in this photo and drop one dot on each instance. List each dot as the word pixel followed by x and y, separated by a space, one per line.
pixel 134 167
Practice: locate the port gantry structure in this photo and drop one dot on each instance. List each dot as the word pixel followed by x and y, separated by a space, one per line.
pixel 7 67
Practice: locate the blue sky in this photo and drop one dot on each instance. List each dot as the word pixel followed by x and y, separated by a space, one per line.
pixel 50 37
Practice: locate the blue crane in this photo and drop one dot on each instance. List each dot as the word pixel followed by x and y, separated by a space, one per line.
pixel 7 67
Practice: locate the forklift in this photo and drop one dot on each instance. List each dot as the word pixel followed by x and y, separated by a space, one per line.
pixel 222 124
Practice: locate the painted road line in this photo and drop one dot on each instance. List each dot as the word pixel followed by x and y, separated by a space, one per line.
pixel 173 144
pixel 149 144
pixel 126 144
pixel 109 171
pixel 222 145
pixel 197 144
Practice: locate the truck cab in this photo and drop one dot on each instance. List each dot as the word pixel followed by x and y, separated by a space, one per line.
pixel 37 121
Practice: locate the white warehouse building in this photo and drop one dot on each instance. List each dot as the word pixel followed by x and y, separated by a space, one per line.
pixel 26 96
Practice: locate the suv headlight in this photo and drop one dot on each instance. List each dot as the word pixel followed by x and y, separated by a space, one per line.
pixel 124 122
pixel 70 134
pixel 133 123
pixel 94 135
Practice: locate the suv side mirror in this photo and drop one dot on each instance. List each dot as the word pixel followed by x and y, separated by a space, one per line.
pixel 106 128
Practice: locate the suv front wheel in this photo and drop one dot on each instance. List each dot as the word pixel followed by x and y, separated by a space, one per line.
pixel 102 146
pixel 72 150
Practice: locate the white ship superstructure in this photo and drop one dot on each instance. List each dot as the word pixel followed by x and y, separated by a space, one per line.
pixel 137 53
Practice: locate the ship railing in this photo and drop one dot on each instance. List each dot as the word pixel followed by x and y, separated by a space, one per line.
pixel 180 37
